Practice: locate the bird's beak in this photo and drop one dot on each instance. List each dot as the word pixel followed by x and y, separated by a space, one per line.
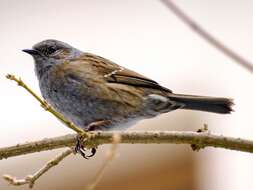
pixel 31 51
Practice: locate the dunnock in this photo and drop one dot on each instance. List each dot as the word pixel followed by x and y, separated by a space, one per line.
pixel 97 94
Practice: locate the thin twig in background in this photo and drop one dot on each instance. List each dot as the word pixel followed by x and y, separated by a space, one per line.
pixel 207 36
pixel 130 137
pixel 30 179
pixel 111 154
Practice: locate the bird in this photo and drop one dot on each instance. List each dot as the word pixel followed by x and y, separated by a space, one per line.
pixel 97 94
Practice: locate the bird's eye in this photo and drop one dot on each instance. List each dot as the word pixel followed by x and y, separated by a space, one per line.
pixel 51 50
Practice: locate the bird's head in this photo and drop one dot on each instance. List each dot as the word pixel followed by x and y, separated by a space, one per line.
pixel 51 52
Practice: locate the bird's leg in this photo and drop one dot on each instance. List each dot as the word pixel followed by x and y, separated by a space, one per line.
pixel 94 126
pixel 79 148
pixel 98 125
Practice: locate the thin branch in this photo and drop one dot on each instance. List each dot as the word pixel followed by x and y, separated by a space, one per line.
pixel 152 137
pixel 30 179
pixel 46 106
pixel 111 154
pixel 207 36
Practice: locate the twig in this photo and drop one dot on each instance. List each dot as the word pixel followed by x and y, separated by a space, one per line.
pixel 109 157
pixel 196 147
pixel 46 106
pixel 30 179
pixel 207 36
pixel 152 137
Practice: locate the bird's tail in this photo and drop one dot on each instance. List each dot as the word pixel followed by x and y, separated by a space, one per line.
pixel 204 103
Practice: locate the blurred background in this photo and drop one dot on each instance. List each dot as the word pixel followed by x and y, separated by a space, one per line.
pixel 144 36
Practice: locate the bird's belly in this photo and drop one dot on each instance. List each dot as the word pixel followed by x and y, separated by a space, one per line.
pixel 84 109
pixel 84 112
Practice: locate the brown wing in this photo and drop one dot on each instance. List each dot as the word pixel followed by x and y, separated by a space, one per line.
pixel 114 73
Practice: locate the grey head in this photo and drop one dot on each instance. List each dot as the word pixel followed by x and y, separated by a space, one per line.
pixel 50 52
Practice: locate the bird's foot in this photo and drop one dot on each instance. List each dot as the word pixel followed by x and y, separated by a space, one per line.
pixel 80 148
pixel 81 139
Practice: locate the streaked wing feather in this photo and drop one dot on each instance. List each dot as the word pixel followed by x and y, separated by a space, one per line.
pixel 114 73
pixel 136 81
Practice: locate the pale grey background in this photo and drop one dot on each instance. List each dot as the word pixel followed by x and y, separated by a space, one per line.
pixel 144 36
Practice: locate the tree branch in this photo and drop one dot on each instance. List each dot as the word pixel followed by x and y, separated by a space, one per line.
pixel 30 179
pixel 205 139
pixel 207 36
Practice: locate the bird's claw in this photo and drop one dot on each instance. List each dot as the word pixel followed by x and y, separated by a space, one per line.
pixel 79 148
